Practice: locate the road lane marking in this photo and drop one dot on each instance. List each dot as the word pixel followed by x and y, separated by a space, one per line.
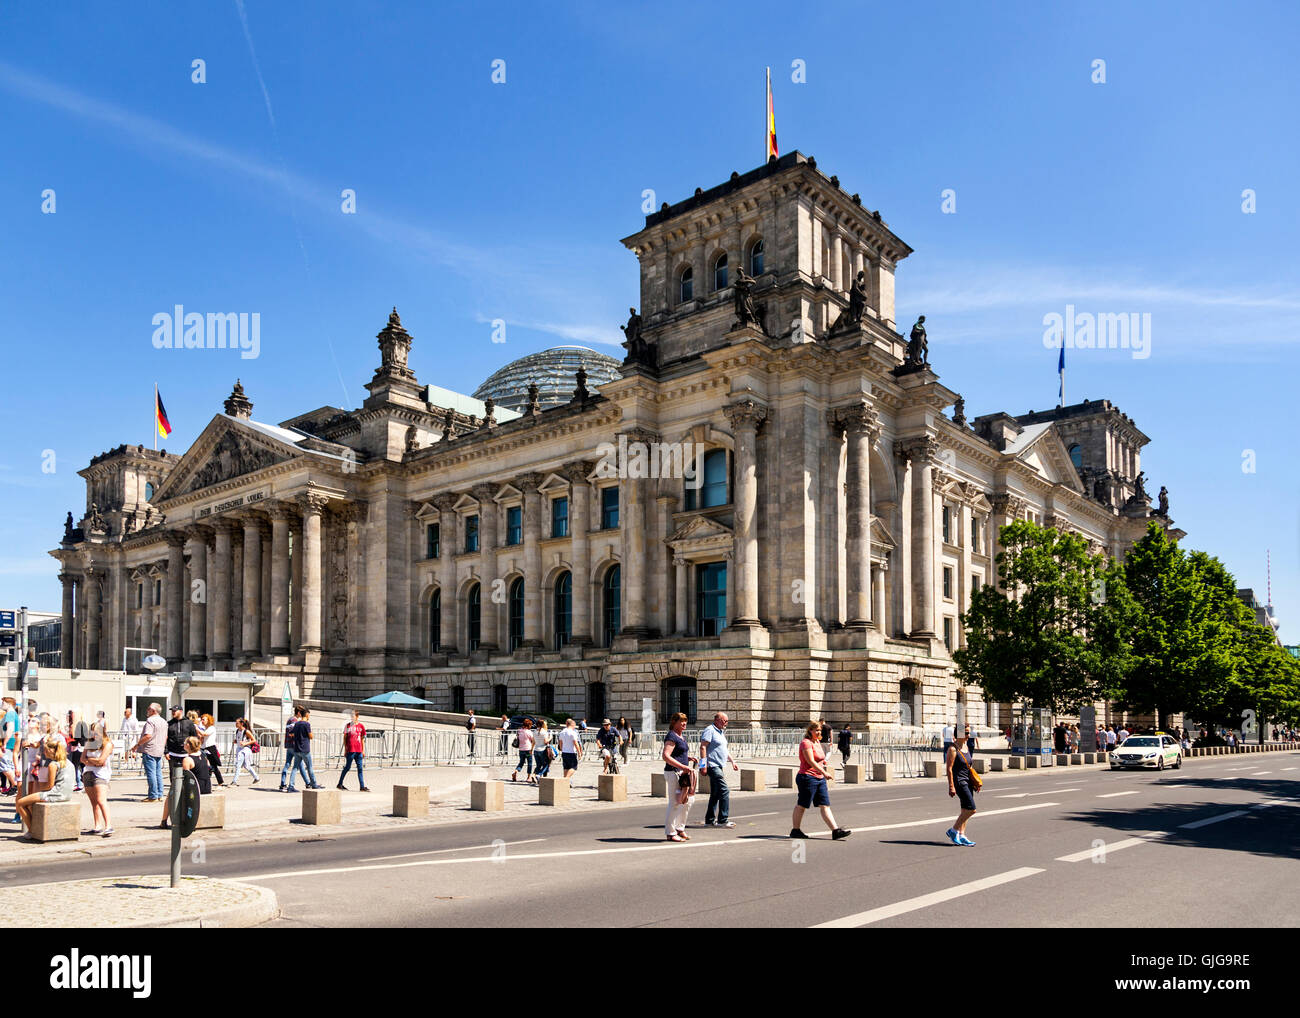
pixel 1113 846
pixel 1288 768
pixel 876 915
pixel 1213 820
pixel 1272 802
pixel 1260 774
pixel 947 818
pixel 1112 795
pixel 443 851
pixel 875 802
pixel 750 816
pixel 1022 795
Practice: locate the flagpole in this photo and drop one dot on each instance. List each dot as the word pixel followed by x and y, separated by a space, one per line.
pixel 155 416
pixel 767 121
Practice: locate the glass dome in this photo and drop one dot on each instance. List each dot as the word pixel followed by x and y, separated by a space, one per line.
pixel 556 373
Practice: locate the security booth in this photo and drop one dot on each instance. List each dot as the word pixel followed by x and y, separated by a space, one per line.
pixel 1032 732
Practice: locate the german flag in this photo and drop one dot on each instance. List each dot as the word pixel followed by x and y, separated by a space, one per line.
pixel 772 152
pixel 160 414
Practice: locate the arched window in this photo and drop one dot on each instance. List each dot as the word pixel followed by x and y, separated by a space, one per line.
pixel 500 698
pixel 458 699
pixel 515 616
pixel 709 487
pixel 1076 457
pixel 720 272
pixel 906 703
pixel 756 257
pixel 546 698
pixel 679 698
pixel 474 611
pixel 148 489
pixel 435 621
pixel 685 285
pixel 611 607
pixel 596 700
pixel 563 610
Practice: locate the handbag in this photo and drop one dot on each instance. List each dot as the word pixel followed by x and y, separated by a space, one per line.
pixel 976 782
pixel 255 747
pixel 515 742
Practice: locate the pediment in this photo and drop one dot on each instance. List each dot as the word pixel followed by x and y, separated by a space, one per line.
pixel 224 451
pixel 880 535
pixel 465 503
pixel 1047 456
pixel 699 528
pixel 508 493
pixel 554 482
pixel 426 511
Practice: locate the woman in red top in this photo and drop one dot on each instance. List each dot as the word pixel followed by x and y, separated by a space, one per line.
pixel 811 781
pixel 354 745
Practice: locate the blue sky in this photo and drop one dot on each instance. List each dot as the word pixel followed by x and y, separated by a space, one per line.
pixel 477 201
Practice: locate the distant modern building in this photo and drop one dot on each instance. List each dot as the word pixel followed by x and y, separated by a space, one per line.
pixel 554 372
pixel 1263 612
pixel 43 634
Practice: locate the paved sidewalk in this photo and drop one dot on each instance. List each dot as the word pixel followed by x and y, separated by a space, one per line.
pixel 128 902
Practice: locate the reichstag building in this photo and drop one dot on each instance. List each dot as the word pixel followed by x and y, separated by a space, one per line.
pixel 772 505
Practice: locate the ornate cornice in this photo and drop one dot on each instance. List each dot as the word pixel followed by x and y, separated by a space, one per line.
pixel 858 417
pixel 745 413
pixel 922 450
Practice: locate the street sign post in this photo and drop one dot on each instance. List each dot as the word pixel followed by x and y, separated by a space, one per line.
pixel 7 619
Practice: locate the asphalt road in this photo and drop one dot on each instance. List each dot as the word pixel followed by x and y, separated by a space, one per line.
pixel 1213 844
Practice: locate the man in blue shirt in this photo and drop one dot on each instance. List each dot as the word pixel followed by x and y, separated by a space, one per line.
pixel 303 763
pixel 9 733
pixel 290 751
pixel 713 758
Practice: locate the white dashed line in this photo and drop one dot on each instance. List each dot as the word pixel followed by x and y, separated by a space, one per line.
pixel 1112 795
pixel 1114 846
pixel 1213 820
pixel 876 802
pixel 876 915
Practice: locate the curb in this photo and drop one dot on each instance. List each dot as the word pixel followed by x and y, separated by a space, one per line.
pixel 233 917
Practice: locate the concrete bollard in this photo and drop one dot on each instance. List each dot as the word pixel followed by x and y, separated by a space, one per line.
pixel 1076 759
pixel 980 764
pixel 56 821
pixel 1062 760
pixel 703 786
pixel 753 780
pixel 1034 761
pixel 611 787
pixel 487 796
pixel 998 763
pixel 1089 758
pixel 212 811
pixel 555 791
pixel 785 777
pixel 658 784
pixel 411 800
pixel 1015 763
pixel 855 774
pixel 934 768
pixel 882 772
pixel 320 806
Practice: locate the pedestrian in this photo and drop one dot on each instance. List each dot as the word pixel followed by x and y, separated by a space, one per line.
pixel 970 739
pixel 543 751
pixel 1121 735
pixel 242 746
pixel 570 747
pixel 1112 740
pixel 714 758
pixel 303 763
pixel 354 745
pixel 471 723
pixel 963 783
pixel 679 779
pixel 607 739
pixel 56 783
pixel 290 750
pixel 130 733
pixel 811 782
pixel 97 772
pixel 208 741
pixel 505 728
pixel 152 746
pixel 179 729
pixel 624 738
pixel 78 733
pixel 827 734
pixel 524 743
pixel 192 759
pixel 947 736
pixel 9 733
pixel 846 743
pixel 582 725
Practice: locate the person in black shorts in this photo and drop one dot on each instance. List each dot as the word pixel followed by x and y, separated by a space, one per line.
pixel 963 783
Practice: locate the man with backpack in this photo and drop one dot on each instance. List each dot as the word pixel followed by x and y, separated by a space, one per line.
pixel 470 724
pixel 290 749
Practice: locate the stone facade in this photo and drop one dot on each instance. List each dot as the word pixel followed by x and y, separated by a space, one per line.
pixel 813 561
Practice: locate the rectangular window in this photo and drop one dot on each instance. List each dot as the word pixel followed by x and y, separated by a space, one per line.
pixel 471 533
pixel 947 525
pixel 947 582
pixel 975 583
pixel 431 537
pixel 710 598
pixel 947 633
pixel 230 711
pixel 560 517
pixel 975 535
pixel 515 525
pixel 139 595
pixel 609 508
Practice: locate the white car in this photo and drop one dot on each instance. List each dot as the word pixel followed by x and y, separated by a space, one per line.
pixel 1158 751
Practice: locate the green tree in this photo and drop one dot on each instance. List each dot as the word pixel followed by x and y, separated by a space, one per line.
pixel 1052 633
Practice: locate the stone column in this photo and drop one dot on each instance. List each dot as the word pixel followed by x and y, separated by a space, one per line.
pixel 923 451
pixel 632 544
pixel 264 634
pixel 175 650
pixel 746 416
pixel 579 525
pixel 295 578
pixel 198 600
pixel 1005 509
pixel 878 598
pixel 661 559
pixel 219 587
pixel 963 590
pixel 250 643
pixel 863 428
pixel 447 571
pixel 93 576
pixel 489 612
pixel 65 631
pixel 837 260
pixel 681 568
pixel 280 517
pixel 312 507
pixel 528 484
